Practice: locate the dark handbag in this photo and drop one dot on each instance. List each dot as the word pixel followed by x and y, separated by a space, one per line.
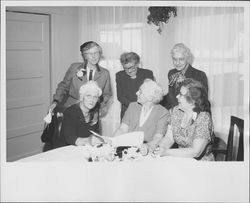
pixel 48 131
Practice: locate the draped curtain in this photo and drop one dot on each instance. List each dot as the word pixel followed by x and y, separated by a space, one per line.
pixel 215 35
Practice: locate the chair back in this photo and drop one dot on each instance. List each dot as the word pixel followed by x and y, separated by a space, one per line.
pixel 239 123
pixel 57 139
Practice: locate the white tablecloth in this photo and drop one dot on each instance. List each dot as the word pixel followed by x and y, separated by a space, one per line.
pixel 64 175
pixel 76 154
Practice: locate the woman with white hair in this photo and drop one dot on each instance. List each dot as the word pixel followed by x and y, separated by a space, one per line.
pixel 182 61
pixel 146 115
pixel 81 117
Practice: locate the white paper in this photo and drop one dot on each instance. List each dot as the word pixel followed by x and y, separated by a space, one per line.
pixel 129 139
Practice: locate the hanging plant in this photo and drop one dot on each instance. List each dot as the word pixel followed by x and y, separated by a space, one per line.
pixel 160 15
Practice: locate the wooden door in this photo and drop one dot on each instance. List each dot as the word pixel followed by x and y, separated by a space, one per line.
pixel 27 82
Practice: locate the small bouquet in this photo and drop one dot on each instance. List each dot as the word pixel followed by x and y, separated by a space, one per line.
pixel 101 153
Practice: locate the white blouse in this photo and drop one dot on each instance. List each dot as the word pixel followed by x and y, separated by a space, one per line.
pixel 144 116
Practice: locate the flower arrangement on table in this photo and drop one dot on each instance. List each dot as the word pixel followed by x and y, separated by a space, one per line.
pixel 108 153
pixel 126 147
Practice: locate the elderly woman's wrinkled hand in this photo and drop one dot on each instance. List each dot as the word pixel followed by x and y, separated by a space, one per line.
pixel 107 140
pixel 153 145
pixel 82 141
pixel 159 151
pixel 96 141
pixel 144 149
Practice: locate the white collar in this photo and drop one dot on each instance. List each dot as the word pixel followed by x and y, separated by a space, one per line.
pixel 93 73
pixel 143 116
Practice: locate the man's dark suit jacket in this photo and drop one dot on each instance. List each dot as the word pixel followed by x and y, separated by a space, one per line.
pixel 127 87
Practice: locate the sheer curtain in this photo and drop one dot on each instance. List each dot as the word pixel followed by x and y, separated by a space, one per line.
pixel 120 29
pixel 215 35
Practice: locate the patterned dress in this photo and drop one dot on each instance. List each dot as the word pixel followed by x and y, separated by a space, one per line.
pixel 201 127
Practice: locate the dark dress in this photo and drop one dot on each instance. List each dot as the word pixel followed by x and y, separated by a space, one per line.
pixel 67 94
pixel 127 87
pixel 74 125
pixel 170 99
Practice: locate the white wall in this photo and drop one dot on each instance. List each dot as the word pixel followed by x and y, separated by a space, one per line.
pixel 64 38
pixel 65 46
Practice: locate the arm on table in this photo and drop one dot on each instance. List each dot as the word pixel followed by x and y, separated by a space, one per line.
pixel 199 145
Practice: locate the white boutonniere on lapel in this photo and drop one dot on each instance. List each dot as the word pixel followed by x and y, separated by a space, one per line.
pixel 80 73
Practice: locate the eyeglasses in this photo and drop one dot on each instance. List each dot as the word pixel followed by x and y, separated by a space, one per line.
pixel 132 68
pixel 180 94
pixel 97 53
pixel 89 97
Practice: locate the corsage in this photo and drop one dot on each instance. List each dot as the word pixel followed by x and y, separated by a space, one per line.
pixel 81 73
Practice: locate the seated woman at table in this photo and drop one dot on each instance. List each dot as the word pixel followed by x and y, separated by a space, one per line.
pixel 146 115
pixel 191 124
pixel 81 117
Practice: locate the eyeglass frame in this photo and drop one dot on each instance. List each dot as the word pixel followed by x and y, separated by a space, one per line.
pixel 134 67
pixel 97 53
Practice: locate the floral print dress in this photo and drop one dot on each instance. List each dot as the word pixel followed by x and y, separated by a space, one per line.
pixel 200 127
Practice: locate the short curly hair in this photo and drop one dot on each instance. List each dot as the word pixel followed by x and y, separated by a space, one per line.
pixel 128 57
pixel 182 48
pixel 89 86
pixel 155 91
pixel 197 94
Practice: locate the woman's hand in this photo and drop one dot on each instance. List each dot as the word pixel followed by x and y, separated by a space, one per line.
pixel 144 149
pixel 152 145
pixel 52 106
pixel 95 140
pixel 82 141
pixel 160 151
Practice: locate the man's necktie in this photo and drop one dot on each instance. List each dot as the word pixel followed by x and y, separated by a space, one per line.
pixel 90 74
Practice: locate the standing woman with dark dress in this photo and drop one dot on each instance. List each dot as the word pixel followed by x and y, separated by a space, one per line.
pixel 182 61
pixel 130 79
